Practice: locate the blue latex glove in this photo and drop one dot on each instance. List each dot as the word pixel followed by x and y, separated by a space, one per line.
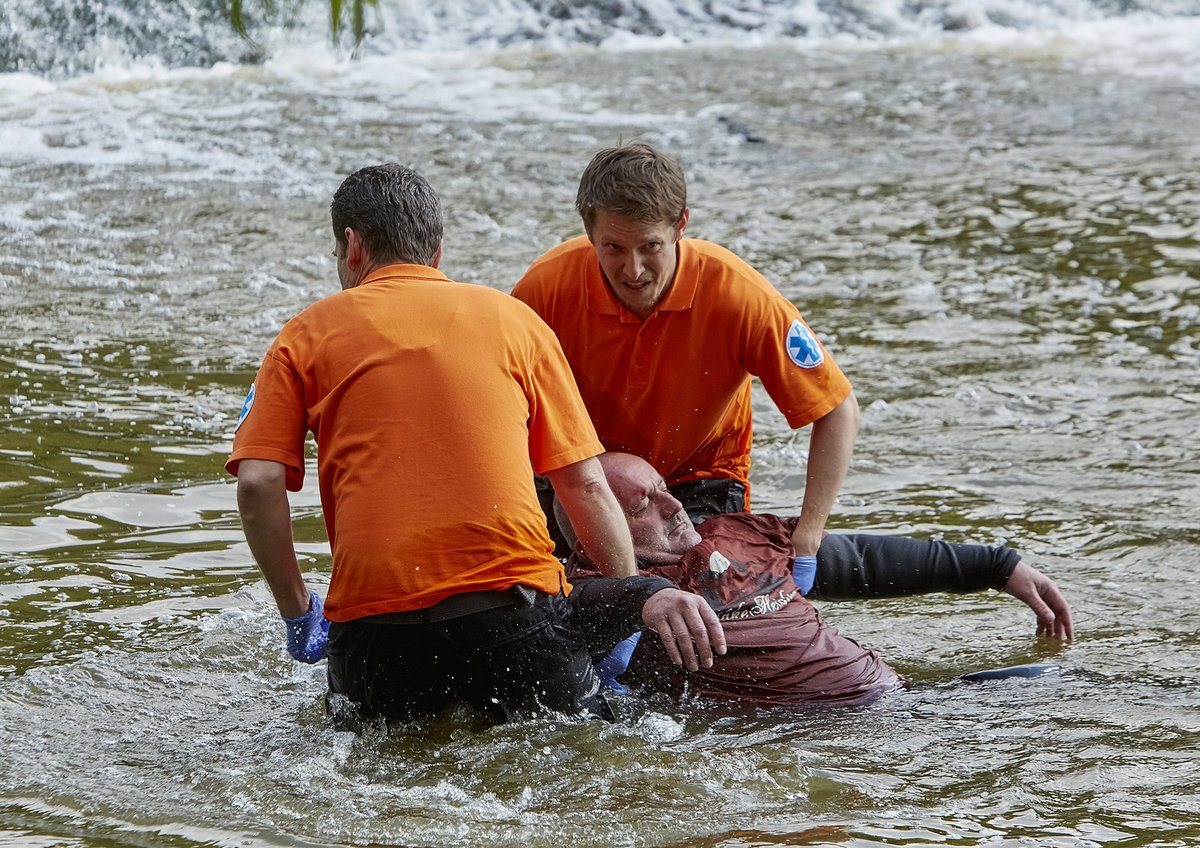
pixel 308 634
pixel 614 665
pixel 804 572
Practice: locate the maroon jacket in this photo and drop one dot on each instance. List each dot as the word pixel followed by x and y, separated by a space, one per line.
pixel 780 651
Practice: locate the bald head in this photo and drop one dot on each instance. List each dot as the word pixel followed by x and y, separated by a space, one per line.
pixel 658 523
pixel 624 467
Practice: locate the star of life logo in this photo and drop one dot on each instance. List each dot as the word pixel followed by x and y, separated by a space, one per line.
pixel 802 346
pixel 246 407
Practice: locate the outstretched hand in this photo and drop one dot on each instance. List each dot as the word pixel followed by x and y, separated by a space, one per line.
pixel 1043 597
pixel 688 627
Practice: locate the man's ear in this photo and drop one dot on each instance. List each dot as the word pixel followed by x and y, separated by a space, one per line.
pixel 437 260
pixel 356 250
pixel 682 223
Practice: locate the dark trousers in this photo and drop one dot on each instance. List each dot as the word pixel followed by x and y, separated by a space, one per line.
pixel 702 499
pixel 509 661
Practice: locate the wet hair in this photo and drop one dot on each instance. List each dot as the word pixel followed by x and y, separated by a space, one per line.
pixel 395 211
pixel 633 181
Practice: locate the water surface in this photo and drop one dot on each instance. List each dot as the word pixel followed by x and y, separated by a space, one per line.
pixel 997 237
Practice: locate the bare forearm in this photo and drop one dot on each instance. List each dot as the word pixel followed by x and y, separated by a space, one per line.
pixel 596 517
pixel 830 448
pixel 267 523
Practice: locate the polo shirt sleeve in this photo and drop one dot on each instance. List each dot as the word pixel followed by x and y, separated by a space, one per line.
pixel 794 367
pixel 560 431
pixel 554 281
pixel 276 423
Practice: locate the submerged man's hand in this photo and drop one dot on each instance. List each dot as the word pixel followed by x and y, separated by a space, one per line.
pixel 689 629
pixel 1037 590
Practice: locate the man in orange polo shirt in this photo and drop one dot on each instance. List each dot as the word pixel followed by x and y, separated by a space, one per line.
pixel 664 333
pixel 450 593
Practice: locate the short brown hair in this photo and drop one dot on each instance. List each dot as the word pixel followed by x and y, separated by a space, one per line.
pixel 633 181
pixel 394 209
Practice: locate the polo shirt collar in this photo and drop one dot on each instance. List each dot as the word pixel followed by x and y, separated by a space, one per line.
pixel 687 278
pixel 680 295
pixel 399 272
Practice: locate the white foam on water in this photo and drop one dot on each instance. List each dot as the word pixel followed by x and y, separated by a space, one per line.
pixel 106 117
pixel 1161 35
pixel 25 84
pixel 1139 45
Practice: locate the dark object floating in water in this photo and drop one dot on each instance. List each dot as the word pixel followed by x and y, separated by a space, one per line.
pixel 1028 670
pixel 738 128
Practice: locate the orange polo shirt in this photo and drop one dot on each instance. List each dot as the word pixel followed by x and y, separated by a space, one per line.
pixel 674 389
pixel 432 403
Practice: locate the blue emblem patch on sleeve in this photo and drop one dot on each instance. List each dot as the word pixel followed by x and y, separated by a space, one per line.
pixel 802 346
pixel 246 407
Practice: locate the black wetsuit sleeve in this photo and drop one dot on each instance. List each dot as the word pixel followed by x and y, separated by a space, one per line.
pixel 609 609
pixel 870 566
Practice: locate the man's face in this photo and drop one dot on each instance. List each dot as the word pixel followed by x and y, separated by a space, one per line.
pixel 638 259
pixel 658 523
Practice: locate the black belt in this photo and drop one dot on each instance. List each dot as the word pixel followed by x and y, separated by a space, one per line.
pixel 456 606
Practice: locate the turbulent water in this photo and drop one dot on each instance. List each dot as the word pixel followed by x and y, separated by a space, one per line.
pixel 989 211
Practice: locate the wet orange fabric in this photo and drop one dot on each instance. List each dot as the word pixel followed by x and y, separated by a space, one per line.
pixel 675 389
pixel 432 403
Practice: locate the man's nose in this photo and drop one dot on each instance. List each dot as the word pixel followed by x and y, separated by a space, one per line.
pixel 668 503
pixel 633 266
